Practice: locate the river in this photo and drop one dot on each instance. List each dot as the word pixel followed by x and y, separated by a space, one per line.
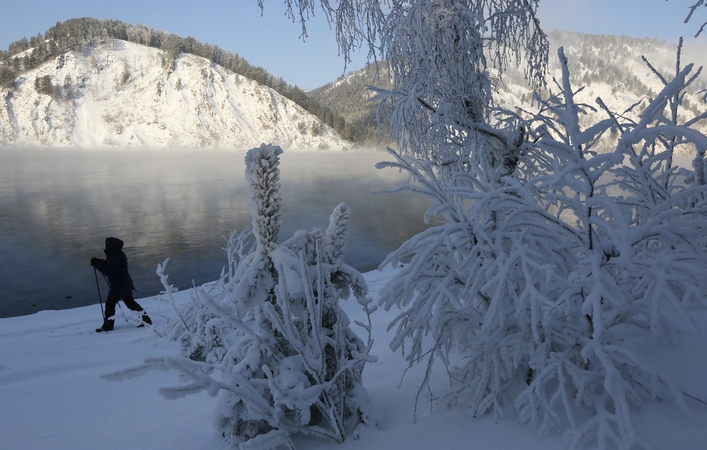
pixel 58 206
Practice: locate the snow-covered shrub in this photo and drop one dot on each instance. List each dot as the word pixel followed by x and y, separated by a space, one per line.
pixel 540 280
pixel 197 328
pixel 292 363
pixel 297 366
pixel 206 342
pixel 640 248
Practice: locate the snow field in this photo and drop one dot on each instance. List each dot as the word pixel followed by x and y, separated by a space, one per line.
pixel 53 396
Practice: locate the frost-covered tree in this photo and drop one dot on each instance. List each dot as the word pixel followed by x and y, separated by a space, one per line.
pixel 438 54
pixel 550 260
pixel 272 329
pixel 639 248
pixel 537 286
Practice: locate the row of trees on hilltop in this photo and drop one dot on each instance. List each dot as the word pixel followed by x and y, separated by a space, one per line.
pixel 83 33
pixel 11 65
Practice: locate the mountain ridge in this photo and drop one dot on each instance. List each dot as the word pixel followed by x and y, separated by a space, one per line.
pixel 100 96
pixel 606 66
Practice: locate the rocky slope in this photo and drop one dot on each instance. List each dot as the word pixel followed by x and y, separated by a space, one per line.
pixel 122 94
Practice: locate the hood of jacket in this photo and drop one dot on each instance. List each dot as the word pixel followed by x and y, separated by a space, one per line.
pixel 114 244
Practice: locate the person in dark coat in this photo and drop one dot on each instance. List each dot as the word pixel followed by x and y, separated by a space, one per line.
pixel 115 269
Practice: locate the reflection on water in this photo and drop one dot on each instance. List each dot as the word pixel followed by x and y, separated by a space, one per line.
pixel 58 206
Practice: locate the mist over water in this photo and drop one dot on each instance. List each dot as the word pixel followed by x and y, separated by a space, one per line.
pixel 58 206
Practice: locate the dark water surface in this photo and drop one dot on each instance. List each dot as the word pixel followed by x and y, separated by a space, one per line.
pixel 58 206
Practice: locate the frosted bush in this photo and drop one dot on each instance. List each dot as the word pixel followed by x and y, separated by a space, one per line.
pixel 270 339
pixel 543 274
pixel 194 324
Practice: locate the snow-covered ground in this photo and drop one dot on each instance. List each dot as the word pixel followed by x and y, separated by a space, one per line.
pixel 52 395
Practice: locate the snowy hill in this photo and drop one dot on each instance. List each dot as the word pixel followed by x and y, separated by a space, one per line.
pixel 122 94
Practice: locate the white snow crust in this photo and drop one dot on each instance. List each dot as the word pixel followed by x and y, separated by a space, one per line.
pixel 53 396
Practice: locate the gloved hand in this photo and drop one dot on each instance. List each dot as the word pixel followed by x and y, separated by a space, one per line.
pixel 94 261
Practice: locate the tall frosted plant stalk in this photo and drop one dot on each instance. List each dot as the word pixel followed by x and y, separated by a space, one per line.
pixel 263 177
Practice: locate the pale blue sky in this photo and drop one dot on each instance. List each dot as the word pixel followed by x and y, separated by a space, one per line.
pixel 271 41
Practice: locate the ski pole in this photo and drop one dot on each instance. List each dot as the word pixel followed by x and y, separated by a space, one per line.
pixel 103 314
pixel 123 314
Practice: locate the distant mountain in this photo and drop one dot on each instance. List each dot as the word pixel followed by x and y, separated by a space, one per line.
pixel 612 67
pixel 606 66
pixel 90 82
pixel 122 94
pixel 349 98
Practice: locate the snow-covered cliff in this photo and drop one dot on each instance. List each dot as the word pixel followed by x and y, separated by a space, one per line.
pixel 124 95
